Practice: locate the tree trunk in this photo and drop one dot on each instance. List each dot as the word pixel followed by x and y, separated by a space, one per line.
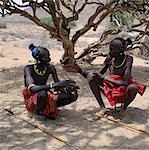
pixel 68 56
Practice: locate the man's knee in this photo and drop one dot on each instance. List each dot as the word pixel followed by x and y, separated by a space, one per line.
pixel 42 97
pixel 65 99
pixel 133 88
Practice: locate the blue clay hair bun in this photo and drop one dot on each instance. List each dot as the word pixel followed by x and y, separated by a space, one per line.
pixel 35 51
pixel 31 46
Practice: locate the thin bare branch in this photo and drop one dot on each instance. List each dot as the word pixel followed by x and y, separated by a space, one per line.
pixel 140 31
pixel 76 13
pixel 29 16
pixel 98 3
pixel 66 6
pixel 21 6
pixel 102 17
pixel 98 44
pixel 91 19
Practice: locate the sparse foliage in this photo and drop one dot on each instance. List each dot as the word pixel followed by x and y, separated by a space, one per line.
pixel 126 15
pixel 49 21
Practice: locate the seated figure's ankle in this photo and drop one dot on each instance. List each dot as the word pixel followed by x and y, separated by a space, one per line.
pixel 123 108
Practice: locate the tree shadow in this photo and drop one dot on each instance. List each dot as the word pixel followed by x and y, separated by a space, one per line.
pixel 78 134
pixel 131 115
pixel 72 123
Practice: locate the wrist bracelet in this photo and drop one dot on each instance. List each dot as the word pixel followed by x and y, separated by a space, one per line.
pixel 51 86
pixel 31 85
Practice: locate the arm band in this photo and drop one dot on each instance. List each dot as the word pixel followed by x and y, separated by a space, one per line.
pixel 31 85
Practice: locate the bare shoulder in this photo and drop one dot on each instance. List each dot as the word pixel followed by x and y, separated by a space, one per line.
pixel 51 68
pixel 108 60
pixel 28 69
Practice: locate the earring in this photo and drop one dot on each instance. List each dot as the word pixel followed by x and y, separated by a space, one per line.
pixel 121 53
pixel 38 61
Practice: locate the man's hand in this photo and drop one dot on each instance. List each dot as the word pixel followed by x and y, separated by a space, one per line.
pixel 64 83
pixel 66 86
pixel 94 74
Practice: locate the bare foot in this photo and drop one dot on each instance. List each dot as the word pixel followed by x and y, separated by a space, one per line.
pixel 121 114
pixel 102 112
pixel 39 117
pixel 29 114
pixel 97 115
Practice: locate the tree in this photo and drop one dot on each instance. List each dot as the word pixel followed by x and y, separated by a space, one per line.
pixel 130 17
pixel 60 28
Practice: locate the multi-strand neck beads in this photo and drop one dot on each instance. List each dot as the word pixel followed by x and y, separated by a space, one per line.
pixel 38 71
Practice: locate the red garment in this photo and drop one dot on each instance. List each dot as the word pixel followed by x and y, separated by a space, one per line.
pixel 116 94
pixel 30 100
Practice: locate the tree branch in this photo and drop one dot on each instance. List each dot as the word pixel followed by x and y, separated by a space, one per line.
pixel 13 10
pixel 65 5
pixel 98 44
pixel 90 21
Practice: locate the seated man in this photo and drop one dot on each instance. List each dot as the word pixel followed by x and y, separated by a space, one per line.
pixel 118 86
pixel 37 95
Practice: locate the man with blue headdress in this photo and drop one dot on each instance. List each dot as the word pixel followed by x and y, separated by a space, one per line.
pixel 38 96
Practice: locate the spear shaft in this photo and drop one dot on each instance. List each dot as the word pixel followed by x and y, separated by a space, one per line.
pixel 40 128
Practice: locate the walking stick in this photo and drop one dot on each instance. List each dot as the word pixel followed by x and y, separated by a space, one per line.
pixel 41 128
pixel 124 125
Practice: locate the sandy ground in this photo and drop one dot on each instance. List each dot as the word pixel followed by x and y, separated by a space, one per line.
pixel 72 125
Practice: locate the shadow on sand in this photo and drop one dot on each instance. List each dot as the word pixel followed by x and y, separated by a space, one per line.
pixel 72 123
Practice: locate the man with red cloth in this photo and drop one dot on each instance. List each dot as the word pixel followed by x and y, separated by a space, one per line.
pixel 38 96
pixel 118 86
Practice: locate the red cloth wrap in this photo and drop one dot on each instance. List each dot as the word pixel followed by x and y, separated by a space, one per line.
pixel 30 100
pixel 116 94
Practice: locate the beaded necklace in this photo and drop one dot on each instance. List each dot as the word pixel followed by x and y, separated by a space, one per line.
pixel 39 72
pixel 120 65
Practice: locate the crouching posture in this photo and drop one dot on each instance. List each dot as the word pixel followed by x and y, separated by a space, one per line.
pixel 118 86
pixel 38 95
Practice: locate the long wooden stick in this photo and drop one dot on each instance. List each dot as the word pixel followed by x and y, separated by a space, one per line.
pixel 124 125
pixel 41 128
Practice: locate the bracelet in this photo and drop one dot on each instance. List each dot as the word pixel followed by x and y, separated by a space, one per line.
pixel 51 86
pixel 31 85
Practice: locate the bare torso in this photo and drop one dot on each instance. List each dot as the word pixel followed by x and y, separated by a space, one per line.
pixel 119 70
pixel 31 77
